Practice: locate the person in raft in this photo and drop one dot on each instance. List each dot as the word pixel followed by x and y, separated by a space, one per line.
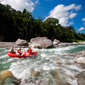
pixel 19 51
pixel 12 50
pixel 29 50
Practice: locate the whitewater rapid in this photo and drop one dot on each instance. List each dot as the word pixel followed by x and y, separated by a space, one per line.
pixel 45 62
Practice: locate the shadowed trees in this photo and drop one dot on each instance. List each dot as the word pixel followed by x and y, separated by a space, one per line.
pixel 16 24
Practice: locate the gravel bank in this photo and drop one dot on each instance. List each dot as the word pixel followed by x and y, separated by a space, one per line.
pixel 7 44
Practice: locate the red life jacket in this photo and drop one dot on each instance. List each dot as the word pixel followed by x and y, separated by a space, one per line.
pixel 29 51
pixel 18 50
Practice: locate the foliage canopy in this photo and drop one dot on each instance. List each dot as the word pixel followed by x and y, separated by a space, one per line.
pixel 16 24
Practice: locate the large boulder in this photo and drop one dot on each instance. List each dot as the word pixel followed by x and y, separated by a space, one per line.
pixel 81 42
pixel 21 42
pixel 35 73
pixel 41 42
pixel 56 42
pixel 4 75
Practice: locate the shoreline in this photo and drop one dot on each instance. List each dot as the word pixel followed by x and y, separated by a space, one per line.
pixel 7 44
pixel 13 44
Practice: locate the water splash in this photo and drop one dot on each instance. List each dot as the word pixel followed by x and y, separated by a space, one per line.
pixel 45 62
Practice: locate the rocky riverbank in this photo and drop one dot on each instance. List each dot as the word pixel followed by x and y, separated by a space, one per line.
pixel 13 44
pixel 37 42
pixel 7 44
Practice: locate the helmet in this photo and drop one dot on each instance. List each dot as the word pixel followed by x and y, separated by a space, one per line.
pixel 19 48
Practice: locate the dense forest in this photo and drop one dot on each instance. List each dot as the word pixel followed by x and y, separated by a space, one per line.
pixel 16 24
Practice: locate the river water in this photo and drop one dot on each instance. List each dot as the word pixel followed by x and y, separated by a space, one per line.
pixel 46 63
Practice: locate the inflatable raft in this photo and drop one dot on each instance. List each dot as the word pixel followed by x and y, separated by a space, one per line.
pixel 22 56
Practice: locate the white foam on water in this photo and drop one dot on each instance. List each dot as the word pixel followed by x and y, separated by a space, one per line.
pixel 80 60
pixel 4 56
pixel 43 55
pixel 61 49
pixel 70 73
pixel 23 68
pixel 70 76
pixel 75 67
pixel 72 81
pixel 82 45
pixel 47 66
pixel 10 60
pixel 44 62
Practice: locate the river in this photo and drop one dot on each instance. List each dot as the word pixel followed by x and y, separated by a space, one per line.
pixel 46 63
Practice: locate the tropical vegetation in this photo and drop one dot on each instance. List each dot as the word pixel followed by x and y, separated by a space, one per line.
pixel 16 24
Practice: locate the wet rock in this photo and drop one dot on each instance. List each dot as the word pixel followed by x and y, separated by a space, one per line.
pixel 21 42
pixel 16 81
pixel 56 42
pixel 8 81
pixel 79 55
pixel 11 81
pixel 35 73
pixel 59 63
pixel 55 75
pixel 47 83
pixel 75 43
pixel 41 42
pixel 82 65
pixel 80 60
pixel 6 74
pixel 82 42
pixel 66 84
pixel 81 78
